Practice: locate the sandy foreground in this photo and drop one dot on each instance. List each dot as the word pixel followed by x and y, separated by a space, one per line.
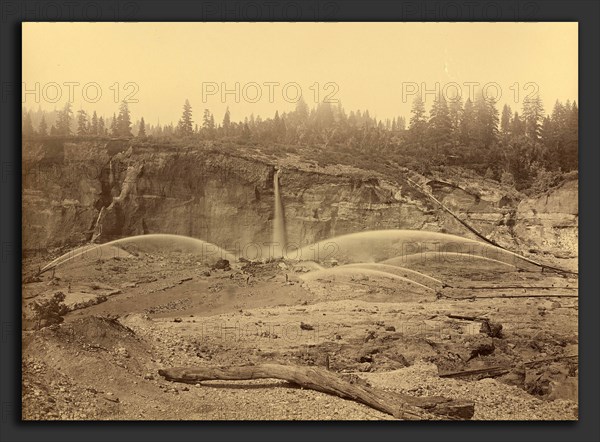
pixel 169 311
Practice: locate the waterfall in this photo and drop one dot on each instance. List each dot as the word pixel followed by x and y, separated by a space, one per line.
pixel 279 237
pixel 111 173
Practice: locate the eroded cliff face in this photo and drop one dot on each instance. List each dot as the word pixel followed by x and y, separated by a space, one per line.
pixel 108 189
pixel 550 223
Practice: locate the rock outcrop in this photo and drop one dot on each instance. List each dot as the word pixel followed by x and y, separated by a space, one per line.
pixel 100 190
pixel 549 223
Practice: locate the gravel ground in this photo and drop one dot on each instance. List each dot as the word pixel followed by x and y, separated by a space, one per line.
pixel 495 400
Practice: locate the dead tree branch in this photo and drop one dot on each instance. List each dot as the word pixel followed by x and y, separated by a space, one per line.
pixel 315 378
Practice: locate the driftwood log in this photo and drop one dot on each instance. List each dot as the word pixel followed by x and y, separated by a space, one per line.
pixel 398 405
pixel 499 370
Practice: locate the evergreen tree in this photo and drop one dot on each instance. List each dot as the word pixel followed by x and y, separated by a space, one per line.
pixel 278 126
pixel 226 122
pixel 440 125
pixel 505 120
pixel 547 133
pixel 27 127
pixel 533 116
pixel 246 131
pixel 63 123
pixel 486 120
pixel 208 121
pixel 101 128
pixel 467 130
pixel 82 121
pixel 94 124
pixel 43 127
pixel 186 125
pixel 114 130
pixel 455 111
pixel 142 129
pixel 559 117
pixel 570 151
pixel 401 123
pixel 418 122
pixel 123 124
pixel 301 113
pixel 517 127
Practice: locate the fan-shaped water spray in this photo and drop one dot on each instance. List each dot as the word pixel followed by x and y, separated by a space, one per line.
pixel 419 277
pixel 379 245
pixel 448 258
pixel 153 243
pixel 357 274
pixel 455 267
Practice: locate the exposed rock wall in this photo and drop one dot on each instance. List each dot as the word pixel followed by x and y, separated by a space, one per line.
pixel 549 223
pixel 107 189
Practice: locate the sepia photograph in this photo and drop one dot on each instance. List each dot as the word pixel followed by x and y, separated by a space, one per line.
pixel 299 221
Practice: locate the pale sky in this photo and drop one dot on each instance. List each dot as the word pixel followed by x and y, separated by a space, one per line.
pixel 368 65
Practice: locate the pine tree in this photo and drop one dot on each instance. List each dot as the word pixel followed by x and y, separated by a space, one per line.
pixel 440 125
pixel 123 124
pixel 27 128
pixel 533 115
pixel 185 126
pixel 142 129
pixel 486 120
pixel 101 128
pixel 467 130
pixel 493 122
pixel 94 124
pixel 43 127
pixel 505 120
pixel 246 131
pixel 227 122
pixel 301 113
pixel 82 121
pixel 63 123
pixel 401 123
pixel 455 111
pixel 114 130
pixel 547 132
pixel 418 122
pixel 208 120
pixel 517 128
pixel 569 157
pixel 340 116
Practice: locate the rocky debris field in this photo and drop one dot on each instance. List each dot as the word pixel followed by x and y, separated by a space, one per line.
pixel 511 350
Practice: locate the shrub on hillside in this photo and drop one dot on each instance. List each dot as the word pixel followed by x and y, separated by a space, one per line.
pixel 49 311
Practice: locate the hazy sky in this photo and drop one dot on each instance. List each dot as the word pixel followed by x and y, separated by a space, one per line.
pixel 365 65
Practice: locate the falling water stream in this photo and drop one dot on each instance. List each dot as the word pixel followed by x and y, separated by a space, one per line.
pixel 279 236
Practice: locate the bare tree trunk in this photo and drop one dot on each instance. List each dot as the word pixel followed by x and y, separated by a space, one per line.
pixel 398 405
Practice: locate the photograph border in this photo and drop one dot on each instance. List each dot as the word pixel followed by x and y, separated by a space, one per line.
pixel 585 12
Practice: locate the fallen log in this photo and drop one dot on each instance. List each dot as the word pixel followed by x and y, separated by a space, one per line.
pixel 499 370
pixel 467 318
pixel 506 287
pixel 530 295
pixel 524 295
pixel 398 405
